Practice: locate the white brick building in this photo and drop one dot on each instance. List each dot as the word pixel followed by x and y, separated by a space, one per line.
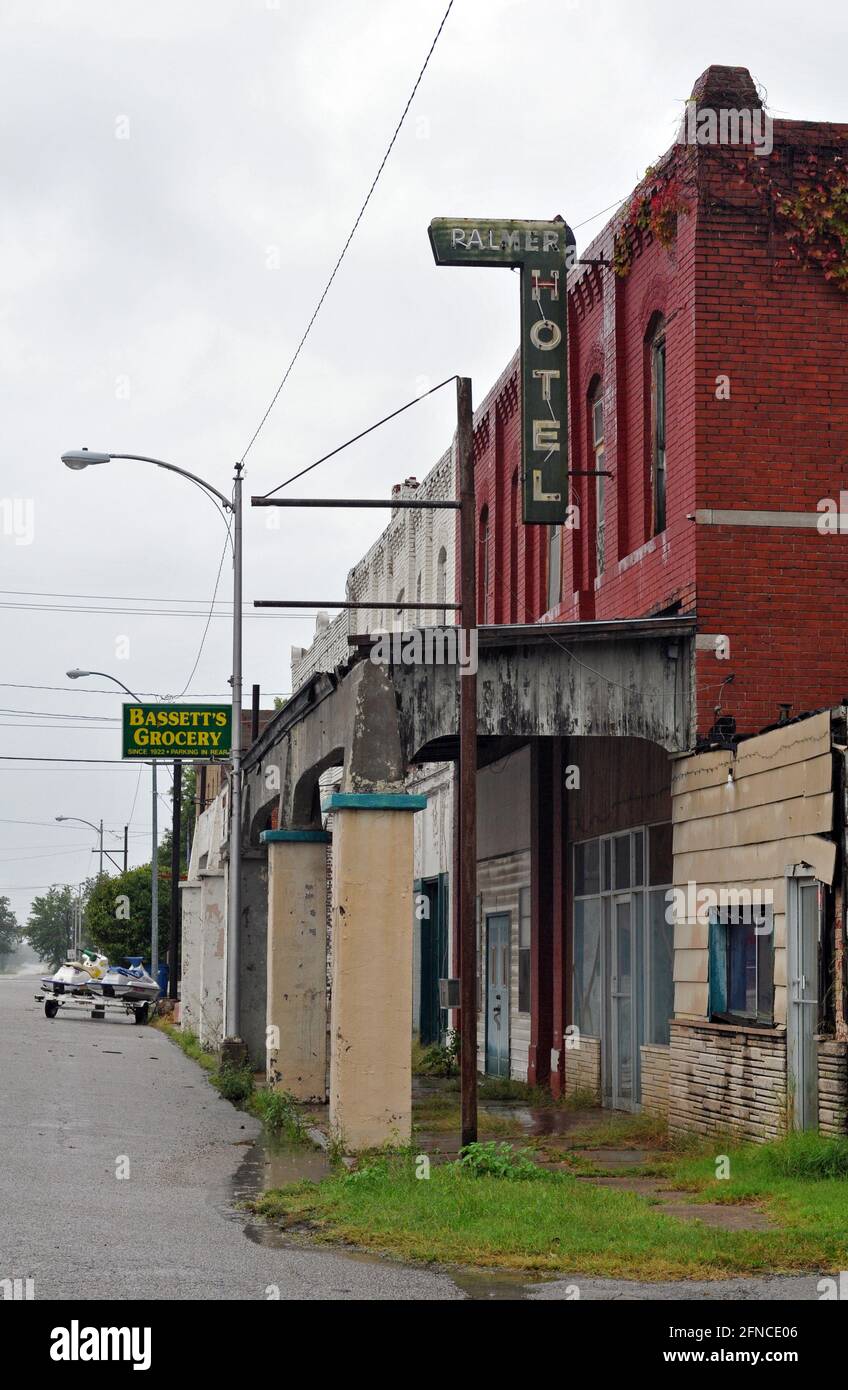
pixel 413 561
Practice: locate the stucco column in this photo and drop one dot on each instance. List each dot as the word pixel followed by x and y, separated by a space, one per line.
pixel 296 1038
pixel 213 902
pixel 371 1012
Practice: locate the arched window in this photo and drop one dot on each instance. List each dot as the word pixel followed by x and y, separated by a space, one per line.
pixel 442 583
pixel 596 436
pixel 554 565
pixel 483 567
pixel 657 423
pixel 514 524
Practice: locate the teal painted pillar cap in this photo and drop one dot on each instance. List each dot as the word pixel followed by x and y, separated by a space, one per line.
pixel 278 837
pixel 374 801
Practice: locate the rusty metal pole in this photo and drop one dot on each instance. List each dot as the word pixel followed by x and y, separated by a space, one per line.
pixel 467 811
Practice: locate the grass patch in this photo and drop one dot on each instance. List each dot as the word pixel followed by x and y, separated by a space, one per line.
pixel 440 1059
pixel 553 1223
pixel 798 1181
pixel 279 1114
pixel 277 1110
pixel 189 1042
pixel 234 1083
pixel 439 1113
pixel 613 1129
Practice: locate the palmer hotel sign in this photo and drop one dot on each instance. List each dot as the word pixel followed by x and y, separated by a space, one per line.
pixel 545 252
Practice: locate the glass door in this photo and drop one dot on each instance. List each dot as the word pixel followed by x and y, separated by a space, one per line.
pixel 622 1004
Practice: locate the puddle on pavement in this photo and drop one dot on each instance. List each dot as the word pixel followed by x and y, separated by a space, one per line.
pixel 269 1164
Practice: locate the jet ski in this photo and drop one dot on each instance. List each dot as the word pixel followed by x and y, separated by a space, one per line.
pixel 76 976
pixel 130 983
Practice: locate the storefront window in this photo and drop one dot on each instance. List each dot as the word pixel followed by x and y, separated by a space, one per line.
pixel 621 881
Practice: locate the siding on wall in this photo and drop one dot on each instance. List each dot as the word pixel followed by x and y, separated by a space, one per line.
pixel 725 1079
pixel 744 833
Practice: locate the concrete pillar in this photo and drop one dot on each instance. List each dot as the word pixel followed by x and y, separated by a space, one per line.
pixel 253 963
pixel 296 1010
pixel 371 1011
pixel 213 914
pixel 191 955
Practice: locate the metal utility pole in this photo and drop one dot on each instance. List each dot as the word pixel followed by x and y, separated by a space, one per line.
pixel 234 898
pixel 174 938
pixel 154 878
pixel 126 847
pixel 466 812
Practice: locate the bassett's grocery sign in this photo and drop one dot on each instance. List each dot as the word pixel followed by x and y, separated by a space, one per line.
pixel 544 251
pixel 177 731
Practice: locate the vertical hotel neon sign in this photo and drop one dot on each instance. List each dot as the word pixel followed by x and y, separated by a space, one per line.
pixel 545 252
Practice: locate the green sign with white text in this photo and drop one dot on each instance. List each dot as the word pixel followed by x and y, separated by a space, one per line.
pixel 545 252
pixel 177 731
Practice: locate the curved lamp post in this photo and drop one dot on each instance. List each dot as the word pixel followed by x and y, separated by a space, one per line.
pixel 77 459
pixel 76 675
pixel 98 828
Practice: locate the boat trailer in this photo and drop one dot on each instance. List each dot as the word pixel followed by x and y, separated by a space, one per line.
pixel 97 1006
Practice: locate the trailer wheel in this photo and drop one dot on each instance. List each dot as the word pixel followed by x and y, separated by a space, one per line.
pixel 51 1008
pixel 140 1013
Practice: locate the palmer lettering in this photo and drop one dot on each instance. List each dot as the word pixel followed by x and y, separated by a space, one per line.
pixel 544 252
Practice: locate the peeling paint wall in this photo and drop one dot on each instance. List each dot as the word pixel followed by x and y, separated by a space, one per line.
pixel 742 833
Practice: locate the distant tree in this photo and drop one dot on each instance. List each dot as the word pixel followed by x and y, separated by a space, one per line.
pixel 10 932
pixel 50 925
pixel 117 914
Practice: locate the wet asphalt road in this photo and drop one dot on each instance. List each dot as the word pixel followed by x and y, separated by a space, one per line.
pixel 82 1100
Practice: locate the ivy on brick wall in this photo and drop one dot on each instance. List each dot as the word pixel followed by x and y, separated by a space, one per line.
pixel 812 209
pixel 654 208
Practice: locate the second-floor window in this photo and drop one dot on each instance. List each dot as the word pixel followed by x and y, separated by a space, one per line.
pixel 554 565
pixel 483 572
pixel 658 417
pixel 442 584
pixel 600 481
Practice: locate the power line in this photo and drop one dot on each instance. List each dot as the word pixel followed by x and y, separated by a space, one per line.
pixel 58 714
pixel 361 435
pixel 208 619
pixel 351 235
pixel 247 612
pixel 37 758
pixel 110 690
pixel 80 728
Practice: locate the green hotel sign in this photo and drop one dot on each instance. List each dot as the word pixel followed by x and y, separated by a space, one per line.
pixel 177 731
pixel 545 252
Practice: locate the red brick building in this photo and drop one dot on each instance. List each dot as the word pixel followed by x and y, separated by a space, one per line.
pixel 708 378
pixel 750 343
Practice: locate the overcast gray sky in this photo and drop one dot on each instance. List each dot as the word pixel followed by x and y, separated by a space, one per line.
pixel 177 181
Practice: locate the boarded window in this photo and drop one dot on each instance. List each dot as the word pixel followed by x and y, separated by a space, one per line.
pixel 741 966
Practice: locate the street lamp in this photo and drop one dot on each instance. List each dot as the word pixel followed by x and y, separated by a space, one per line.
pixel 77 459
pixel 75 675
pixel 99 830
